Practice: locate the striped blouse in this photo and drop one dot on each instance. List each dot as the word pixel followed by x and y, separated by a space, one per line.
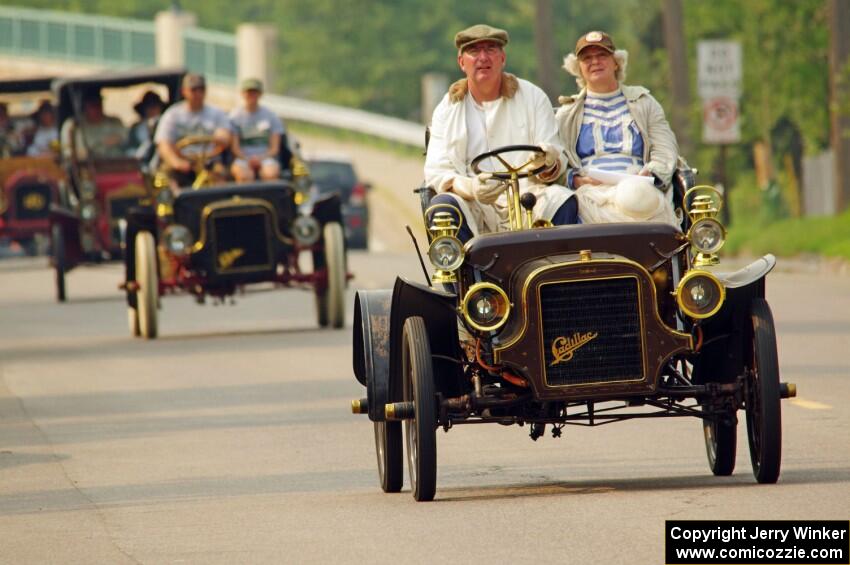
pixel 608 138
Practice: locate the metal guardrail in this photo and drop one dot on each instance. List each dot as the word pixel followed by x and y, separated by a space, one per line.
pixel 319 113
pixel 125 43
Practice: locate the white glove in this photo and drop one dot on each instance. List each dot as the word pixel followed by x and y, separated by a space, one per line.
pixel 551 155
pixel 483 188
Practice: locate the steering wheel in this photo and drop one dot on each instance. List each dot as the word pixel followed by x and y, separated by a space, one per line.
pixel 509 171
pixel 204 141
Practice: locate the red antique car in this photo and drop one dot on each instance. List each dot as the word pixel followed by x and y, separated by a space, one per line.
pixel 29 179
pixel 103 185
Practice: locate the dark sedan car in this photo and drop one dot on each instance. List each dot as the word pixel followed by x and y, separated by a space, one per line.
pixel 336 174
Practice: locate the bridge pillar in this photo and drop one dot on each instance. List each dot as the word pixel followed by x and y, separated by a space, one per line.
pixel 169 26
pixel 434 87
pixel 256 46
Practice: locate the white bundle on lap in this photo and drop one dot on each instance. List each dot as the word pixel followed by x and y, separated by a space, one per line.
pixel 630 200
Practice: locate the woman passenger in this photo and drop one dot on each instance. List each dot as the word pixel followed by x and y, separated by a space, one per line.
pixel 612 127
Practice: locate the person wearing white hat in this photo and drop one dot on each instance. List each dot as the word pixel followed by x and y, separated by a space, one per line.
pixel 610 127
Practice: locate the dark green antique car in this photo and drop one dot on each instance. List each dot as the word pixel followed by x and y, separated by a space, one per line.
pixel 213 241
pixel 584 325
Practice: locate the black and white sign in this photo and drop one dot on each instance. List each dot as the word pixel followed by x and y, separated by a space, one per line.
pixel 719 68
pixel 719 82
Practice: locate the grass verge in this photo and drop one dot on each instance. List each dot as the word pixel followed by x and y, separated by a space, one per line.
pixel 827 236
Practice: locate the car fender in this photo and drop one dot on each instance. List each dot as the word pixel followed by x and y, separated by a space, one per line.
pixel 439 311
pixel 751 274
pixel 372 347
pixel 726 335
pixel 328 209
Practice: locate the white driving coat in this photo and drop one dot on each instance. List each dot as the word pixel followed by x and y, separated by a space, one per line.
pixel 524 116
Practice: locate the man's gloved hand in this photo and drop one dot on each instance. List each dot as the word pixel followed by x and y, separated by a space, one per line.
pixel 483 188
pixel 551 155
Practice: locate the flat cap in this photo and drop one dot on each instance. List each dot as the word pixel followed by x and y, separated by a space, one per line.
pixel 480 32
pixel 194 80
pixel 595 38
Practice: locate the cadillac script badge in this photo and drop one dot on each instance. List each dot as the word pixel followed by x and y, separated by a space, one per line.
pixel 563 348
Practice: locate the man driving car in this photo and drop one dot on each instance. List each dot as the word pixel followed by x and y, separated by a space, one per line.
pixel 190 117
pixel 487 110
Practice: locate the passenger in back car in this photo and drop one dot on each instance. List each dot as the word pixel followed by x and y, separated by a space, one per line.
pixel 257 137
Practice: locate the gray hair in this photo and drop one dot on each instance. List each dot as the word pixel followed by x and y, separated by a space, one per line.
pixel 621 57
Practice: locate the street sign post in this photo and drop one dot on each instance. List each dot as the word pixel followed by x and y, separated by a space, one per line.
pixel 719 84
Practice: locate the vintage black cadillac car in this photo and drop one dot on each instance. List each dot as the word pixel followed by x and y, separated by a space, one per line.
pixel 214 239
pixel 585 325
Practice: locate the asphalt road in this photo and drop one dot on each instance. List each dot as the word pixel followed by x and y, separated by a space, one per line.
pixel 229 440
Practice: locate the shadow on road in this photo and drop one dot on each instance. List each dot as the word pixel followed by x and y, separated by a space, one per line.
pixel 331 481
pixel 743 479
pixel 317 332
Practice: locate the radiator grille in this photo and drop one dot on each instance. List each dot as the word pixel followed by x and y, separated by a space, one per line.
pixel 32 201
pixel 591 331
pixel 241 242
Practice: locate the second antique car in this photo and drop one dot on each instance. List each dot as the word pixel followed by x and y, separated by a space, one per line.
pixel 30 177
pixel 586 325
pixel 102 184
pixel 212 240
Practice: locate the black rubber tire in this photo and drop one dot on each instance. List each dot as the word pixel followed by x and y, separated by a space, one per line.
pixel 133 322
pixel 57 243
pixel 147 277
pixel 764 412
pixel 721 444
pixel 388 446
pixel 421 431
pixel 330 304
pixel 322 309
pixel 335 264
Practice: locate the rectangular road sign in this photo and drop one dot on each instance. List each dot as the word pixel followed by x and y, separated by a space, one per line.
pixel 719 68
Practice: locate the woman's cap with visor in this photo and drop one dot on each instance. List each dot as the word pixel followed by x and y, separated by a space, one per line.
pixel 595 39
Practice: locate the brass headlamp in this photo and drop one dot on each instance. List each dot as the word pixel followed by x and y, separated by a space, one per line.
pixel 706 234
pixel 446 250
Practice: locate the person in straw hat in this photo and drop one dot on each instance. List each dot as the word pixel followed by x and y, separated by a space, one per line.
pixel 610 127
pixel 488 109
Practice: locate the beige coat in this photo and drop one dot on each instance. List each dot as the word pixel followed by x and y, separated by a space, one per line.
pixel 524 117
pixel 660 150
